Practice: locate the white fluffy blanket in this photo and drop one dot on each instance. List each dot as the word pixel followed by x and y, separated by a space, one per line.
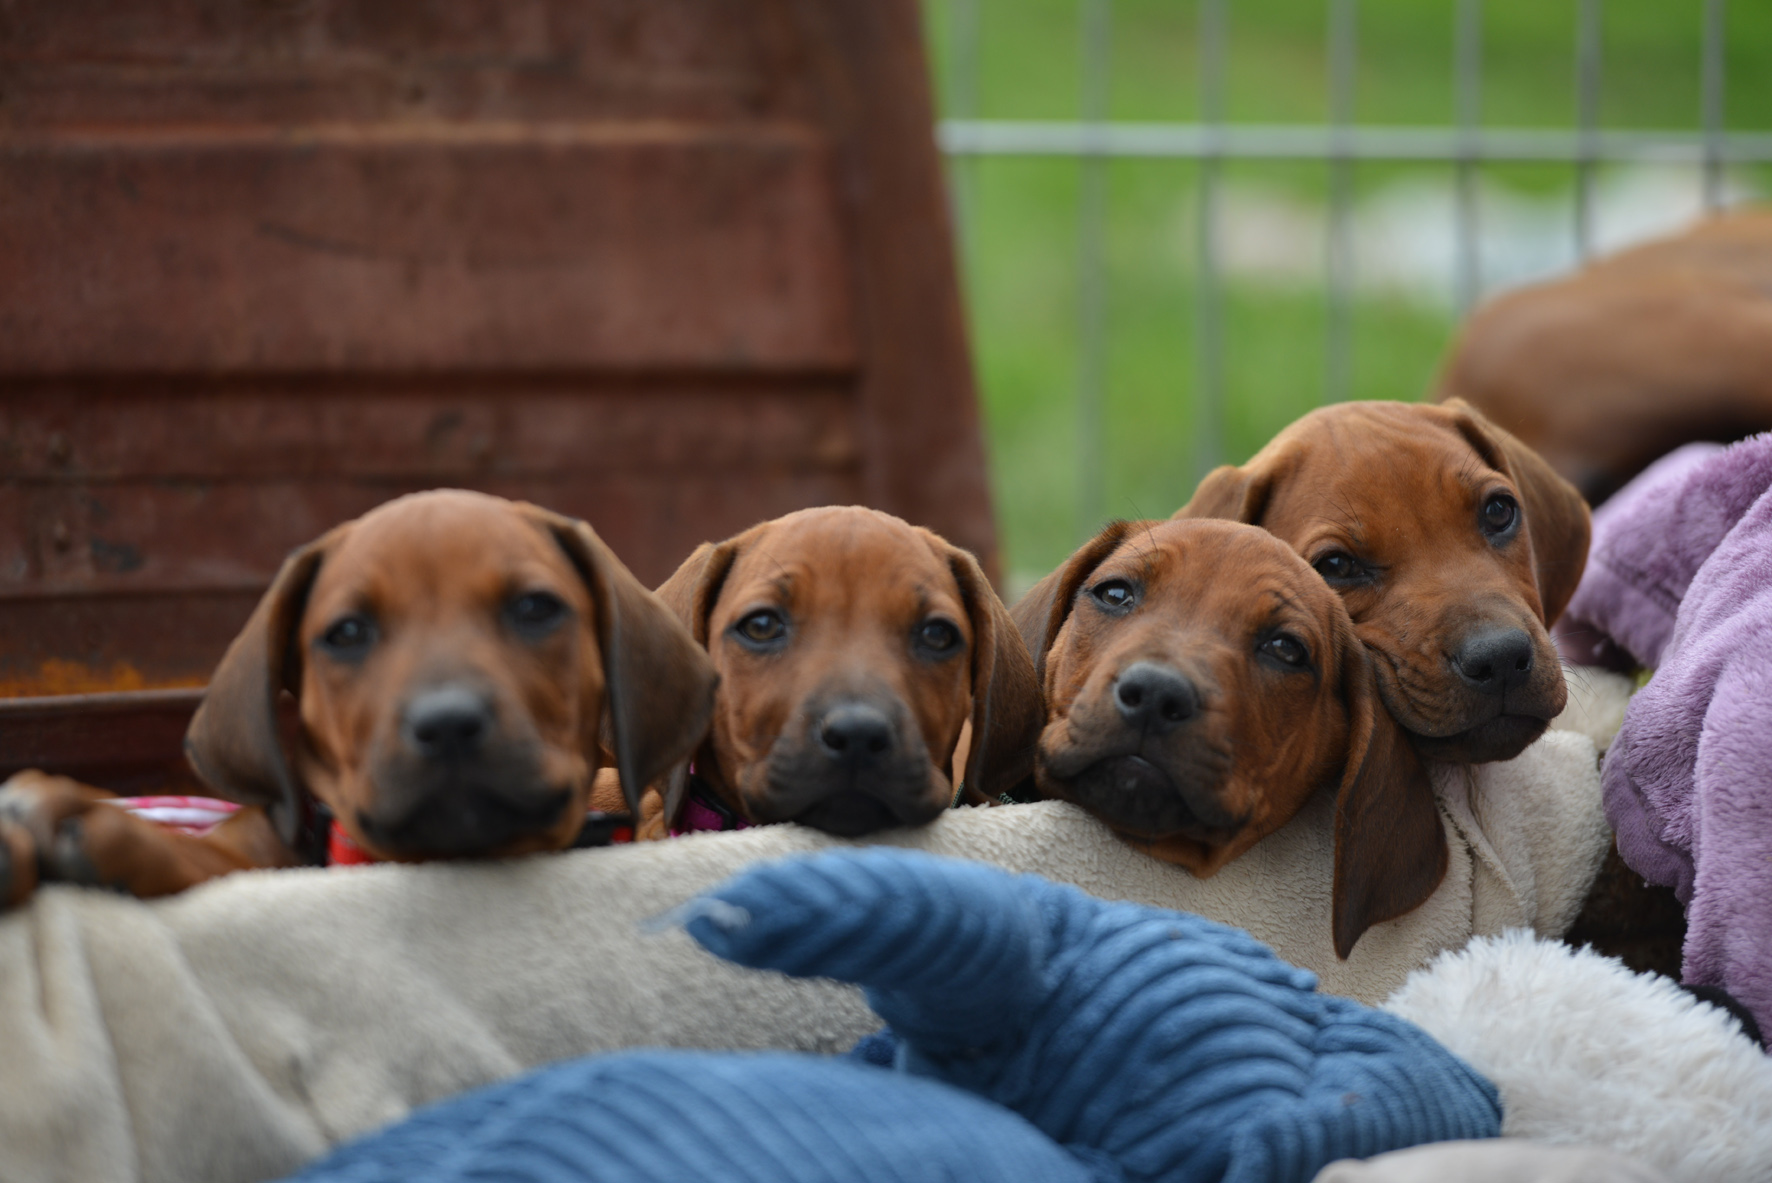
pixel 1585 1051
pixel 235 1031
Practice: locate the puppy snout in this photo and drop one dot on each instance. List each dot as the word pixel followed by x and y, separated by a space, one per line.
pixel 1155 698
pixel 447 724
pixel 1495 661
pixel 856 735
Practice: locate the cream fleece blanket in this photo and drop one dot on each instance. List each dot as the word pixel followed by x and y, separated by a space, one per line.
pixel 237 1030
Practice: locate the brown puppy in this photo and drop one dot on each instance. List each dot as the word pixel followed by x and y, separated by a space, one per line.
pixel 1605 369
pixel 853 649
pixel 451 659
pixel 1454 547
pixel 1202 682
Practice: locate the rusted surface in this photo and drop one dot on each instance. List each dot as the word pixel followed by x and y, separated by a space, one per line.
pixel 282 62
pixel 129 742
pixel 422 247
pixel 673 266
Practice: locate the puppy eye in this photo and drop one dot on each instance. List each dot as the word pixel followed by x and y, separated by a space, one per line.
pixel 537 612
pixel 1500 512
pixel 1114 594
pixel 349 637
pixel 938 636
pixel 1286 649
pixel 1339 567
pixel 762 627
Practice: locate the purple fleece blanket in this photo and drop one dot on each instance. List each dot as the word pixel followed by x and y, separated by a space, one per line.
pixel 1684 583
pixel 1648 542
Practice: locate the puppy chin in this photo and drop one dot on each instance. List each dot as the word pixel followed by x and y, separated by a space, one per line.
pixel 463 813
pixel 849 806
pixel 1135 796
pixel 1500 738
pixel 849 814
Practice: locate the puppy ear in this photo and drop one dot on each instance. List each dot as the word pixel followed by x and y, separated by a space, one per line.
pixel 1558 522
pixel 1040 613
pixel 1232 493
pixel 235 740
pixel 691 593
pixel 1390 849
pixel 694 588
pixel 1008 709
pixel 658 683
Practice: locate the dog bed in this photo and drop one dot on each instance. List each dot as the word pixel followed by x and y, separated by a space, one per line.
pixel 235 1031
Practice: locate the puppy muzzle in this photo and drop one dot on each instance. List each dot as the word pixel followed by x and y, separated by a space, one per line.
pixel 1141 757
pixel 456 783
pixel 856 768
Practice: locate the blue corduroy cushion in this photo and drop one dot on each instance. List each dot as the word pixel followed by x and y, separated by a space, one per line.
pixel 1043 1035
pixel 647 1117
pixel 1178 1048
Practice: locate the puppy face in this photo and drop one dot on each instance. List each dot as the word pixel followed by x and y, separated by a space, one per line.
pixel 453 660
pixel 1202 682
pixel 1453 547
pixel 1194 691
pixel 852 649
pixel 450 671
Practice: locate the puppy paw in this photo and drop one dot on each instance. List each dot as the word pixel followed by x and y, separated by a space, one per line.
pixel 43 833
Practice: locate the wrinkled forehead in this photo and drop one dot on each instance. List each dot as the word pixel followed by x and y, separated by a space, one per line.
pixel 1378 469
pixel 837 563
pixel 1215 570
pixel 439 551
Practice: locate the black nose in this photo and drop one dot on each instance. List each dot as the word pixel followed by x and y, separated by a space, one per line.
pixel 855 735
pixel 1155 698
pixel 449 723
pixel 1495 661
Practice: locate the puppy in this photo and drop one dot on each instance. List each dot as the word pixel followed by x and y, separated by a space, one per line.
pixel 1454 546
pixel 853 651
pixel 1201 683
pixel 449 662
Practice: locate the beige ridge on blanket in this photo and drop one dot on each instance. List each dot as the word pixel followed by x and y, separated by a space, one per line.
pixel 234 1032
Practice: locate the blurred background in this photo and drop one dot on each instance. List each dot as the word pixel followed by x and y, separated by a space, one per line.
pixel 1183 224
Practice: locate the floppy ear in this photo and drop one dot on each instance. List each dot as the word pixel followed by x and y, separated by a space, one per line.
pixel 694 588
pixel 1558 522
pixel 1390 849
pixel 658 683
pixel 234 742
pixel 1008 709
pixel 1232 493
pixel 1040 613
pixel 691 593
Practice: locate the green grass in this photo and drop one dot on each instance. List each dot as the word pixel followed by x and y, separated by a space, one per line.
pixel 1022 253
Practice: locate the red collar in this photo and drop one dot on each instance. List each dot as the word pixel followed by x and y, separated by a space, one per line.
pixel 341 851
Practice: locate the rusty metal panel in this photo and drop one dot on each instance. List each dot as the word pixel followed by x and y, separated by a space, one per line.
pixel 287 62
pixel 141 734
pixel 451 428
pixel 437 248
pixel 85 644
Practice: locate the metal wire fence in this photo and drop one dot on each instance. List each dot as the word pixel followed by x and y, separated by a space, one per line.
pixel 1467 146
